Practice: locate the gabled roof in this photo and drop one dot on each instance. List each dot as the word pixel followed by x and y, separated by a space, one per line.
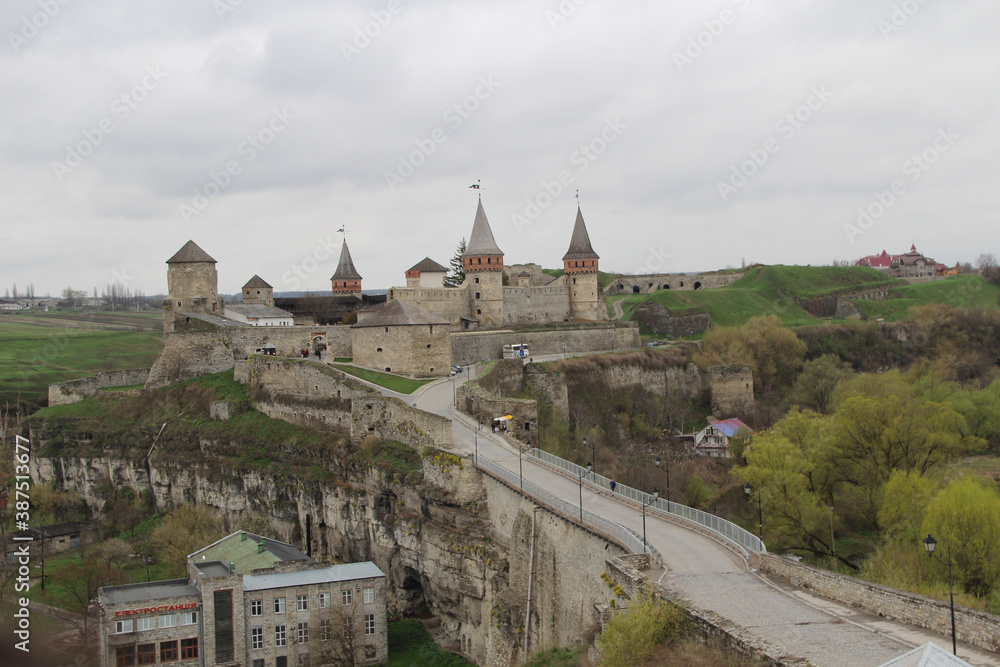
pixel 428 265
pixel 345 269
pixel 481 241
pixel 243 549
pixel 400 313
pixel 928 655
pixel 256 283
pixel 730 427
pixel 190 252
pixel 579 243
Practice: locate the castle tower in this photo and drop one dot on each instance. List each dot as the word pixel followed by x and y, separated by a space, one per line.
pixel 483 266
pixel 580 269
pixel 258 293
pixel 346 279
pixel 193 282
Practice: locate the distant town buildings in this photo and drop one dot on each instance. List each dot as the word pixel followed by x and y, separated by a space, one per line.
pixel 912 264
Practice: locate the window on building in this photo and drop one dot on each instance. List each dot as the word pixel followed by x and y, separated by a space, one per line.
pixel 256 607
pixel 189 618
pixel 346 597
pixel 369 624
pixel 122 627
pixel 477 295
pixel 324 600
pixel 281 661
pixel 325 630
pixel 256 638
pixel 279 605
pixel 168 651
pixel 303 636
pixel 279 635
pixel 369 651
pixel 258 662
pixel 189 648
pixel 477 281
pixel 146 654
pixel 145 623
pixel 301 603
pixel 125 656
pixel 369 595
pixel 168 621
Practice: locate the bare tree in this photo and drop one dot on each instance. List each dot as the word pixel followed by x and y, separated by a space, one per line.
pixel 341 632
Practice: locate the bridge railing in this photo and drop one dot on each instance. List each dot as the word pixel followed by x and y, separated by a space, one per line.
pixel 618 533
pixel 727 530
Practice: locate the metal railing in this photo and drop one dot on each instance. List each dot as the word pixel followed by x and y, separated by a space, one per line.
pixel 727 530
pixel 618 533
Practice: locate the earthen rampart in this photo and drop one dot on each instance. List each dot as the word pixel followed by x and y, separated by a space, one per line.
pixel 77 390
pixel 659 318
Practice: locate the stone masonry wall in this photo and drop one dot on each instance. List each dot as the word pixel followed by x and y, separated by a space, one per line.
pixel 548 303
pixel 189 355
pixel 975 627
pixel 77 390
pixel 732 391
pixel 677 281
pixel 390 419
pixel 480 404
pixel 469 347
pixel 659 318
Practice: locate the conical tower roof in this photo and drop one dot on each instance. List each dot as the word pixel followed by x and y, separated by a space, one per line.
pixel 579 243
pixel 481 241
pixel 345 269
pixel 190 252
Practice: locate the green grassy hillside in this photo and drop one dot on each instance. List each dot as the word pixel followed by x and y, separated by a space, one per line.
pixel 763 290
pixel 968 291
pixel 38 350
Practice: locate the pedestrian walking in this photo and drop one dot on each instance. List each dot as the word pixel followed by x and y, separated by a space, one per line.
pixel 612 484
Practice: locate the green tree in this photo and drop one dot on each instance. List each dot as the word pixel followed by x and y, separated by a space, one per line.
pixel 773 352
pixel 457 275
pixel 630 636
pixel 816 384
pixel 904 502
pixel 965 520
pixel 184 531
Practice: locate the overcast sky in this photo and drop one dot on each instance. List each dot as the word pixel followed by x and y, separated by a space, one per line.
pixel 698 133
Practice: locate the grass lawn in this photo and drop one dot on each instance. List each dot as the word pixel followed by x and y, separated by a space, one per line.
pixel 39 350
pixel 391 382
pixel 967 291
pixel 411 644
pixel 763 290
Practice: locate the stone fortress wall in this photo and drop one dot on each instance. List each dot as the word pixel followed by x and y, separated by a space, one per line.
pixel 77 390
pixel 470 347
pixel 648 283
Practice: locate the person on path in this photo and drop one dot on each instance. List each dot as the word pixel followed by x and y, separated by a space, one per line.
pixel 612 484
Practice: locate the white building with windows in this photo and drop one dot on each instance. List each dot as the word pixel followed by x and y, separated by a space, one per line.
pixel 248 601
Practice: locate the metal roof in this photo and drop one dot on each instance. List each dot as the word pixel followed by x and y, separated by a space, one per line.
pixel 256 281
pixel 257 310
pixel 481 242
pixel 928 655
pixel 347 572
pixel 242 548
pixel 428 265
pixel 345 267
pixel 730 427
pixel 152 590
pixel 400 313
pixel 579 243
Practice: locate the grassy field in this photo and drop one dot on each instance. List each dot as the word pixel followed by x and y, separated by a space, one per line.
pixel 411 644
pixel 37 350
pixel 391 382
pixel 764 290
pixel 963 291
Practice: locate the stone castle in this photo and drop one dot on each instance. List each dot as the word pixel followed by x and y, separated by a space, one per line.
pixel 412 332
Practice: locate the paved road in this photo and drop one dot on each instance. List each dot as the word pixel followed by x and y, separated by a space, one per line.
pixel 797 623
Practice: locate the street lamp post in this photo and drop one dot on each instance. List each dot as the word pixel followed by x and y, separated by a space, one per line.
pixel 656 494
pixel 929 544
pixel 590 466
pixel 658 461
pixel 748 489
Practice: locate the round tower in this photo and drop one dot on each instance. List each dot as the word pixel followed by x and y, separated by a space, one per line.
pixel 346 280
pixel 580 269
pixel 482 262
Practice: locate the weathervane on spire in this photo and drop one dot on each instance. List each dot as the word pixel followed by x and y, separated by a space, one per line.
pixel 478 186
pixel 343 230
pixel 578 197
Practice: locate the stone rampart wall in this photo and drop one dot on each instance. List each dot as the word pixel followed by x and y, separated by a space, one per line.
pixel 189 355
pixel 677 281
pixel 484 406
pixel 835 305
pixel 975 627
pixel 505 378
pixel 77 390
pixel 389 418
pixel 300 379
pixel 659 318
pixel 732 391
pixel 536 304
pixel 470 347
